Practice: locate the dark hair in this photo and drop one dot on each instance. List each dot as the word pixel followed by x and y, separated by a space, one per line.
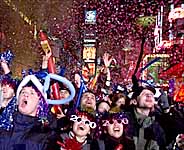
pixel 30 84
pixel 139 89
pixel 63 87
pixel 116 116
pixel 101 101
pixel 11 82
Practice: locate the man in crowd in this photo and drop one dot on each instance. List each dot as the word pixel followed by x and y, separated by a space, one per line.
pixel 88 101
pixel 146 132
pixel 27 125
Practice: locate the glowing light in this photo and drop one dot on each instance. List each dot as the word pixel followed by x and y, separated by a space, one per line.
pixel 176 14
pixel 164 44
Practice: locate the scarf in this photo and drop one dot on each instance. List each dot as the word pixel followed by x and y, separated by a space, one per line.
pixel 6 118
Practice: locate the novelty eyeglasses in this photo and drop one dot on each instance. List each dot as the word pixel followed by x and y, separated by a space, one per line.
pixel 123 121
pixel 85 121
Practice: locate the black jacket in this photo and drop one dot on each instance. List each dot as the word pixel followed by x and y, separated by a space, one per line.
pixel 27 133
pixel 146 132
pixel 110 143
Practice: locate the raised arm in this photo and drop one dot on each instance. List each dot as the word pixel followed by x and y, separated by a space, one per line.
pixel 45 60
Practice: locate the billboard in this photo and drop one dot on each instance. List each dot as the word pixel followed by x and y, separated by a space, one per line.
pixel 90 16
pixel 89 53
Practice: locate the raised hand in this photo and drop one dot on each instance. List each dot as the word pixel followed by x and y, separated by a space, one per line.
pixel 5 67
pixel 107 58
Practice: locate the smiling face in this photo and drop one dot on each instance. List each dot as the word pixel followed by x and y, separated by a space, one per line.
pixel 146 99
pixel 81 127
pixel 28 101
pixel 115 128
pixel 88 100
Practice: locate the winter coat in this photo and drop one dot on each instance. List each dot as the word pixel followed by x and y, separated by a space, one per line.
pixel 146 132
pixel 88 144
pixel 27 133
pixel 110 143
pixel 172 123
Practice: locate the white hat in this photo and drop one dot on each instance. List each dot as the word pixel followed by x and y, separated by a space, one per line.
pixel 34 80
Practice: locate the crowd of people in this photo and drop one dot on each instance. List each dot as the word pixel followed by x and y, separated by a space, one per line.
pixel 99 117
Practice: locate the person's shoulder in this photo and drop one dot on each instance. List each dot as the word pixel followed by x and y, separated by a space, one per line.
pixel 130 114
pixel 128 143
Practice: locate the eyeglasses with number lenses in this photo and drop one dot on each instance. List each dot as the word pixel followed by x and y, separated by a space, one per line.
pixel 123 121
pixel 85 121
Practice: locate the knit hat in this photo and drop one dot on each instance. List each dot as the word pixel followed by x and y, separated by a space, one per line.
pixel 139 89
pixel 35 82
pixel 32 81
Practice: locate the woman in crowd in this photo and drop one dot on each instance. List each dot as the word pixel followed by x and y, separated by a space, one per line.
pixel 119 102
pixel 114 134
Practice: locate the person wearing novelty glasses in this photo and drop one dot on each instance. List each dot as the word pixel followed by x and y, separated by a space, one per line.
pixel 78 136
pixel 114 133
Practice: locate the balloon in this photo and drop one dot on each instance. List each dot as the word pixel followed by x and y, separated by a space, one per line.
pixel 63 80
pixel 150 63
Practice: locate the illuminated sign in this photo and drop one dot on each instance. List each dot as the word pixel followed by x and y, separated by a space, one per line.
pixel 92 67
pixel 179 94
pixel 152 72
pixel 90 17
pixel 88 70
pixel 176 14
pixel 164 44
pixel 89 53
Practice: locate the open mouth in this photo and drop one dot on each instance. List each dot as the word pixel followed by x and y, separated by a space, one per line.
pixel 81 128
pixel 4 92
pixel 116 129
pixel 88 103
pixel 25 102
pixel 149 101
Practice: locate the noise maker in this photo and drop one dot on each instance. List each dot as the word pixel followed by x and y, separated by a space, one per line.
pixel 44 42
pixel 51 66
